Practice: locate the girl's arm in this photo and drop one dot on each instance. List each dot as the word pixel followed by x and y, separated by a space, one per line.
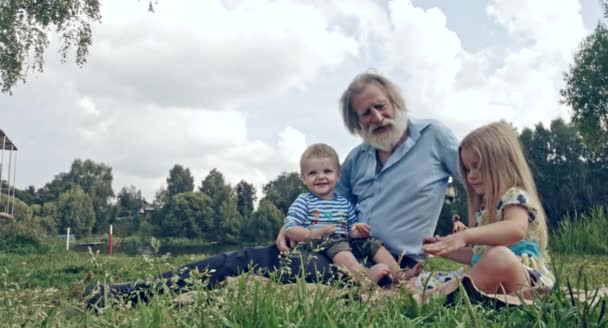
pixel 463 255
pixel 507 232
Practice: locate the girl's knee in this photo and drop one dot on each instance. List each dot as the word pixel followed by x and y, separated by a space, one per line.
pixel 500 259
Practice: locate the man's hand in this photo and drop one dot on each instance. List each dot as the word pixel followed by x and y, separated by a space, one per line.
pixel 440 246
pixel 283 243
pixel 360 230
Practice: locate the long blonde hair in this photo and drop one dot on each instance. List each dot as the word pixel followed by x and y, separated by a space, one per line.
pixel 502 165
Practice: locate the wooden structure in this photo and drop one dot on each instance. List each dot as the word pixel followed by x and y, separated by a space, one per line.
pixel 7 185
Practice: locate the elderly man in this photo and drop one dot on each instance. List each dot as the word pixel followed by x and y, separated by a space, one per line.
pixel 397 179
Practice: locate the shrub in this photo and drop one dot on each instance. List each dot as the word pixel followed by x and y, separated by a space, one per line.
pixel 19 238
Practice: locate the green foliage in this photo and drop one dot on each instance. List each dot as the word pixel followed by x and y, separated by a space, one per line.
pixel 584 234
pixel 45 216
pixel 567 180
pixel 22 238
pixel 188 214
pixel 179 180
pixel 21 211
pixel 28 195
pixel 228 220
pixel 161 198
pixel 129 201
pixel 586 90
pixel 245 195
pixel 95 179
pixel 284 190
pixel 263 225
pixel 75 210
pixel 25 26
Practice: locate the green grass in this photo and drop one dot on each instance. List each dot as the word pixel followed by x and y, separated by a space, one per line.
pixel 582 234
pixel 37 290
pixel 42 290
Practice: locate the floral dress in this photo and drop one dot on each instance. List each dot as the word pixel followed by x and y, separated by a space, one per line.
pixel 532 257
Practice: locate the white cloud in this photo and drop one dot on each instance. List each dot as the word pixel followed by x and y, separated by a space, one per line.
pixel 184 84
pixel 201 54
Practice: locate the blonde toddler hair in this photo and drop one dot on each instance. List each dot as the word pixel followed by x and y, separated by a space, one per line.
pixel 319 150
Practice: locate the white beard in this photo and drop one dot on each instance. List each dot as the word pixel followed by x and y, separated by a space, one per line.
pixel 387 140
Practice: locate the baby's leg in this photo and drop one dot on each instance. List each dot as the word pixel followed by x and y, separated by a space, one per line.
pixel 383 256
pixel 412 273
pixel 347 260
pixel 378 271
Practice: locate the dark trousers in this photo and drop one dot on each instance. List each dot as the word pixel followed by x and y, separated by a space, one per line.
pixel 263 260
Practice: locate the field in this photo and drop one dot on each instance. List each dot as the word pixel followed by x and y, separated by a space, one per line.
pixel 42 290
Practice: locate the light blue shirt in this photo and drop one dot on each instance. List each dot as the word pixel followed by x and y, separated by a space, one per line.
pixel 402 202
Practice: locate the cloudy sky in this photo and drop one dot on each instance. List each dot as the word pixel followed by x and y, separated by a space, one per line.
pixel 245 85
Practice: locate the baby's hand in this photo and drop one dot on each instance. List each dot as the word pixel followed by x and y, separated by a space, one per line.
pixel 326 230
pixel 360 230
pixel 457 225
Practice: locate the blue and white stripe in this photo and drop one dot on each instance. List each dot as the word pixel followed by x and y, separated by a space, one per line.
pixel 337 211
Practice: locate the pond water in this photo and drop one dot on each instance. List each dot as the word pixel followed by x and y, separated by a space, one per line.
pixel 139 250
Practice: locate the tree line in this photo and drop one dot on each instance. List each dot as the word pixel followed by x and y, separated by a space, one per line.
pixel 569 161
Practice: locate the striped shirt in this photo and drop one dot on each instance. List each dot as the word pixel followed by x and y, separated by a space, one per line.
pixel 309 210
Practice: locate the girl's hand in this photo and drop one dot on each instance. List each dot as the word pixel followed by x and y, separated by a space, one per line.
pixel 440 246
pixel 360 230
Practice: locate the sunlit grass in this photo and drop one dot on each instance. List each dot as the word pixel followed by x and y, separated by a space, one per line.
pixel 42 291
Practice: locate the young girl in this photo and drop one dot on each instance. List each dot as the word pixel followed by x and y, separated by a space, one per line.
pixel 506 243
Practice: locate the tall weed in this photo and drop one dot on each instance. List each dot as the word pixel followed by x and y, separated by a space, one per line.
pixel 584 234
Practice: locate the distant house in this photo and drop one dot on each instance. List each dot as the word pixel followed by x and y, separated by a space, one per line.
pixel 147 208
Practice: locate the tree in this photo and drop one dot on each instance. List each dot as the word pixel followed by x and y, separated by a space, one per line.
pixel 284 190
pixel 24 33
pixel 227 218
pixel 188 214
pixel 28 195
pixel 179 180
pixel 160 198
pixel 586 90
pixel 46 217
pixel 75 210
pixel 50 191
pixel 214 186
pixel 129 200
pixel 245 194
pixel 264 224
pixel 229 221
pixel 95 179
pixel 561 169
